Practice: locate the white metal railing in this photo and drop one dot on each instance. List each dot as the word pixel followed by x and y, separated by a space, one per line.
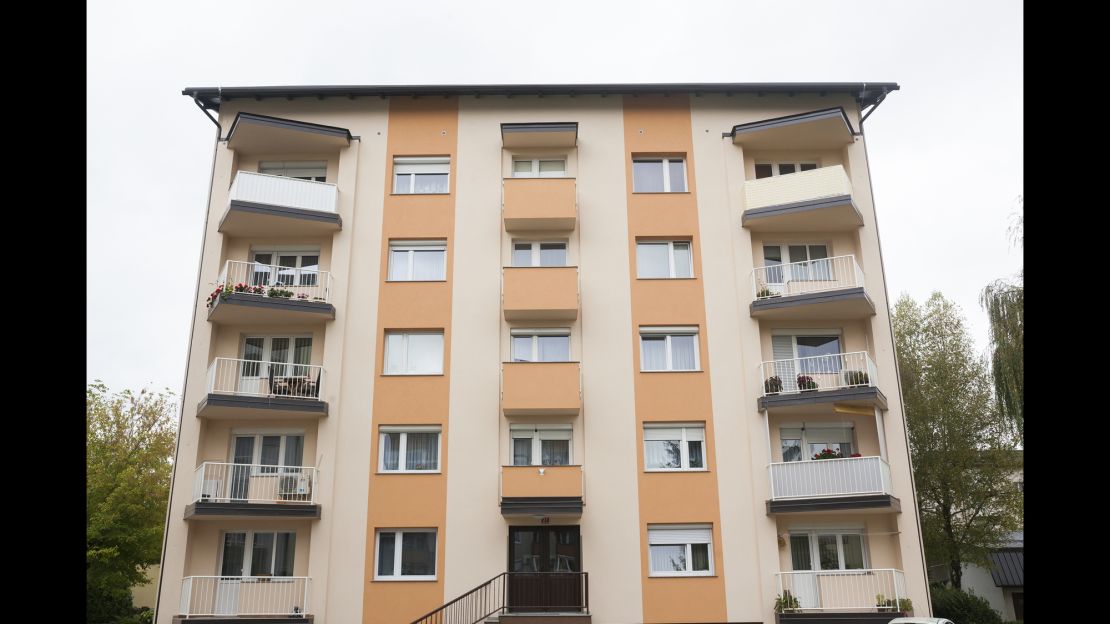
pixel 275 190
pixel 820 372
pixel 830 477
pixel 796 187
pixel 845 590
pixel 244 595
pixel 267 379
pixel 809 276
pixel 272 280
pixel 217 482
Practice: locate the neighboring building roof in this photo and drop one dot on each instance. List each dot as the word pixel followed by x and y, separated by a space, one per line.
pixel 868 93
pixel 1008 567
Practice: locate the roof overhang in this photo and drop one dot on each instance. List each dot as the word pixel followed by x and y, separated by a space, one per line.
pixel 262 134
pixel 822 129
pixel 549 134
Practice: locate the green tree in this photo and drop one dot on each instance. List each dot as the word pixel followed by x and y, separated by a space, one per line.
pixel 1004 301
pixel 963 454
pixel 130 445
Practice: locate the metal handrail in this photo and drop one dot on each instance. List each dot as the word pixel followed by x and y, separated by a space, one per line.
pixel 492 597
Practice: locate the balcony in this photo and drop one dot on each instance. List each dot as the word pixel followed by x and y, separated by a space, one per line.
pixel 540 293
pixel 828 288
pixel 222 491
pixel 842 378
pixel 856 483
pixel 541 388
pixel 843 591
pixel 238 389
pixel 229 598
pixel 819 200
pixel 269 205
pixel 540 204
pixel 541 490
pixel 251 293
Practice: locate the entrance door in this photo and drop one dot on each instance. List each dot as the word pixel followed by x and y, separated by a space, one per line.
pixel 273 362
pixel 541 557
pixel 803 582
pixel 231 574
pixel 239 484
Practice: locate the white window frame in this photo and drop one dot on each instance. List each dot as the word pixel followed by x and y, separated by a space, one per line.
pixel 420 160
pixel 398 547
pixel 535 259
pixel 684 448
pixel 536 173
pixel 670 332
pixel 689 550
pixel 666 173
pixel 256 455
pixel 286 165
pixel 412 246
pixel 299 251
pixel 248 552
pixel 405 352
pixel 671 267
pixel 775 166
pixel 535 335
pixel 815 550
pixel 402 449
pixel 805 440
pixel 536 434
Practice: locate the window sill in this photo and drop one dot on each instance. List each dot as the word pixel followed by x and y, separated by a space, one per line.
pixel 666 279
pixel 389 281
pixel 660 192
pixel 413 374
pixel 696 370
pixel 671 576
pixel 675 470
pixel 411 194
pixel 415 579
pixel 409 472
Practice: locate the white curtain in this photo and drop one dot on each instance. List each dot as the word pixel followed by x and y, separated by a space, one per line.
pixel 554 348
pixel 651 260
pixel 682 352
pixel 391 449
pixel 682 265
pixel 420 451
pixel 654 349
pixel 668 557
pixel 662 454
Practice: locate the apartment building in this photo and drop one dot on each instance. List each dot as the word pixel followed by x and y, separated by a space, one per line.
pixel 559 353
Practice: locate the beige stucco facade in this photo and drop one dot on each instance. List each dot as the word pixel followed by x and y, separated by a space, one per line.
pixel 479 399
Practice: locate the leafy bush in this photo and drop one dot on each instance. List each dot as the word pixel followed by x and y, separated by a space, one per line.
pixel 856 378
pixel 786 602
pixel 962 607
pixel 904 605
pixel 280 292
pixel 830 454
pixel 773 385
pixel 805 382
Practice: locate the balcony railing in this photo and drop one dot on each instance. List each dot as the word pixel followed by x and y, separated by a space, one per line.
pixel 810 276
pixel 830 477
pixel 821 372
pixel 244 595
pixel 260 188
pixel 797 187
pixel 874 590
pixel 265 379
pixel 271 280
pixel 217 482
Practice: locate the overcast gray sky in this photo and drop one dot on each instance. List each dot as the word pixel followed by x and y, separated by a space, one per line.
pixel 945 151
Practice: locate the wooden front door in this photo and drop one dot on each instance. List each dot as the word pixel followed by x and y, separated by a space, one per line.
pixel 541 559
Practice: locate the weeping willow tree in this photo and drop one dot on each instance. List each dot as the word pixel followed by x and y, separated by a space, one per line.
pixel 1004 301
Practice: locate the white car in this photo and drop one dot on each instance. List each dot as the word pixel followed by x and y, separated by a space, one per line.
pixel 920 620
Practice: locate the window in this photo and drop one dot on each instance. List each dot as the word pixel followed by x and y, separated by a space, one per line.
pixel 421 175
pixel 813 440
pixel 405 555
pixel 540 445
pixel 316 170
pixel 257 553
pixel 292 268
pixel 417 261
pixel 539 253
pixel 413 353
pixel 670 447
pixel 408 449
pixel 268 451
pixel 816 353
pixel 663 259
pixel 787 263
pixel 680 550
pixel 270 361
pixel 658 175
pixel 831 549
pixel 669 348
pixel 768 169
pixel 541 345
pixel 539 167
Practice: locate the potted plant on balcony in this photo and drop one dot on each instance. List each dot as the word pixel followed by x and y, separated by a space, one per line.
pixel 828 454
pixel 786 602
pixel 856 378
pixel 280 293
pixel 805 382
pixel 903 605
pixel 773 385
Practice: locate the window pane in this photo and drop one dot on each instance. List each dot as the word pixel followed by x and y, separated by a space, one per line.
pixel 823 352
pixel 283 558
pixel 522 254
pixel 651 260
pixel 799 552
pixel 694 452
pixel 425 353
pixel 431 183
pixel 522 451
pixel 271 445
pixel 553 254
pixel 234 546
pixel 772 259
pixel 763 171
pixel 429 265
pixel 394 353
pixel 421 451
pixel 287 275
pixel 401 182
pixel 391 451
pixel 654 352
pixel 294 450
pixel 554 348
pixel 677 171
pixel 555 452
pixel 808 166
pixel 786 168
pixel 791 450
pixel 522 166
pixel 827 549
pixel 682 265
pixel 647 176
pixel 262 554
pixel 682 352
pixel 660 454
pixel 552 167
pixel 853 552
pixel 668 557
pixel 386 543
pixel 279 353
pixel 522 349
pixel 399 265
pixel 699 554
pixel 307 276
pixel 418 554
pixel 302 354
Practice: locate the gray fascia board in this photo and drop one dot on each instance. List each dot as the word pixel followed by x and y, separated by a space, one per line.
pixel 304 214
pixel 804 299
pixel 790 120
pixel 278 303
pixel 545 505
pixel 816 397
pixel 201 509
pixel 257 402
pixel 779 210
pixel 868 501
pixel 288 124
